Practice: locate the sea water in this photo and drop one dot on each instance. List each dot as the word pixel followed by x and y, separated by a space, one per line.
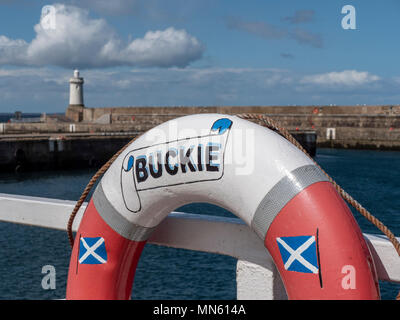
pixel 371 177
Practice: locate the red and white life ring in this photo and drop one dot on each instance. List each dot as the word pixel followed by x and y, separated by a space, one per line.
pixel 247 169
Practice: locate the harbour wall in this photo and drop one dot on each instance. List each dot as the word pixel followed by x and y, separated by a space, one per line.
pixel 22 153
pixel 363 127
pixel 34 152
pixel 88 137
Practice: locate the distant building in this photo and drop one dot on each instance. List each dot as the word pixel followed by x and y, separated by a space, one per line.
pixel 76 104
pixel 76 90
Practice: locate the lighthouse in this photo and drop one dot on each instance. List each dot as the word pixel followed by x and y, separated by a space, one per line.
pixel 76 90
pixel 76 106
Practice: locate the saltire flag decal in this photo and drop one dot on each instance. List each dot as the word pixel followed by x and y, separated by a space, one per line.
pixel 299 253
pixel 92 251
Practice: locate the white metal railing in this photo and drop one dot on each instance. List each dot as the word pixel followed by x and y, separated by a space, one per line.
pixel 256 275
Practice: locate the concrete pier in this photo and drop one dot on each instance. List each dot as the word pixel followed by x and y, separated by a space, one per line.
pixel 90 136
pixel 48 152
pixel 75 150
pixel 362 127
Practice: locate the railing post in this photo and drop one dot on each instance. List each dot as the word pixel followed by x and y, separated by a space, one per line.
pixel 258 282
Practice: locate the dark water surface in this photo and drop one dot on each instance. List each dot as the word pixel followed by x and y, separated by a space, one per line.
pixel 371 177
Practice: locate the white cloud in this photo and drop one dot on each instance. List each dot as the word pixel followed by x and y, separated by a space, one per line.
pixel 163 48
pixel 23 72
pixel 12 50
pixel 342 78
pixel 81 41
pixel 46 88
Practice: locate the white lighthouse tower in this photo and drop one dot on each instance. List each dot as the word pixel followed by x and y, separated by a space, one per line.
pixel 75 110
pixel 76 90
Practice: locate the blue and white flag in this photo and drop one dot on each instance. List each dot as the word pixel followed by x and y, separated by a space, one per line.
pixel 92 251
pixel 299 253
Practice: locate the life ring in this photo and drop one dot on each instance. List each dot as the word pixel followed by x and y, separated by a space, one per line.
pixel 233 163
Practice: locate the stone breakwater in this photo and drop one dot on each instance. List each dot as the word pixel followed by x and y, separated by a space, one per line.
pixel 90 136
pixel 364 127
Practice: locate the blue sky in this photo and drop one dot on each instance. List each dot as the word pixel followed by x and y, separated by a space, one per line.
pixel 200 52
